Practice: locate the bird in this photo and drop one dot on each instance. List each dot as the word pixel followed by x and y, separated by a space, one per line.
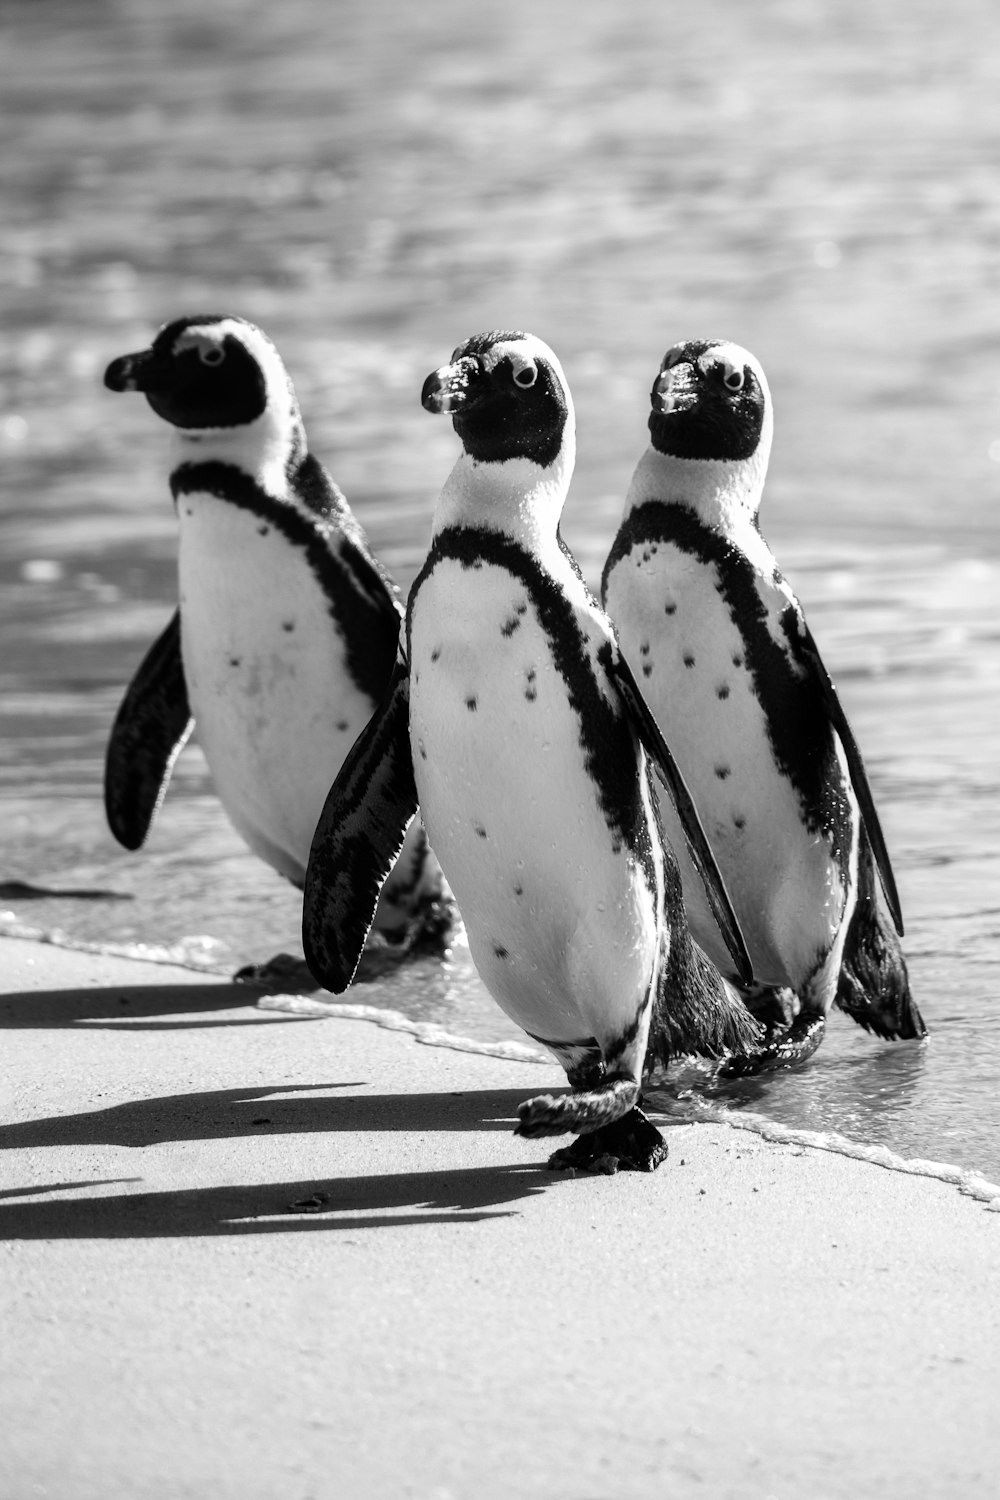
pixel 285 635
pixel 518 728
pixel 736 683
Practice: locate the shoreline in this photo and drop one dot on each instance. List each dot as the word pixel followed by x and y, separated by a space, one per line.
pixel 246 1256
pixel 689 1107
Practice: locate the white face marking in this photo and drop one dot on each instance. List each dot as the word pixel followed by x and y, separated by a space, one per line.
pixel 260 447
pixel 726 494
pixel 518 496
pixel 207 341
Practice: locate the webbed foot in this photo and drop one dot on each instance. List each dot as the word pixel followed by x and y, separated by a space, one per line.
pixel 631 1144
pixel 434 927
pixel 790 1050
pixel 283 972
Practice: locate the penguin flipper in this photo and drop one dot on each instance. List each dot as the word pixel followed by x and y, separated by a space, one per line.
pixel 859 777
pixel 873 987
pixel 359 834
pixel 148 734
pixel 700 849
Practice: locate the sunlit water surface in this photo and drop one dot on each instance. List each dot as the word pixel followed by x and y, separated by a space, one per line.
pixel 371 184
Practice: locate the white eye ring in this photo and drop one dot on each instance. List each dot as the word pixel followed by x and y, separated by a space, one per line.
pixel 213 354
pixel 525 375
pixel 733 377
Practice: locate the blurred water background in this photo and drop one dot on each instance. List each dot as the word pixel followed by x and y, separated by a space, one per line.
pixel 371 182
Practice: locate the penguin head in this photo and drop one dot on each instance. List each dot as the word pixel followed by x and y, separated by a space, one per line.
pixel 507 397
pixel 710 401
pixel 218 380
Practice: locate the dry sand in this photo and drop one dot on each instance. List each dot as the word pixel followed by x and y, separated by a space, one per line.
pixel 754 1320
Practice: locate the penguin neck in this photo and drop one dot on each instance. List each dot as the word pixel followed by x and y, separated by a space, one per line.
pixel 724 494
pixel 519 498
pixel 268 449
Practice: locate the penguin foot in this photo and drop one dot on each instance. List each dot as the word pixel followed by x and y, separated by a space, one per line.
pixel 283 972
pixel 432 931
pixel 631 1144
pixel 796 1046
pixel 588 1110
pixel 775 1008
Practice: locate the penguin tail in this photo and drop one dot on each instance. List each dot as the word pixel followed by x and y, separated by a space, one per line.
pixel 874 986
pixel 695 1010
pixel 579 1113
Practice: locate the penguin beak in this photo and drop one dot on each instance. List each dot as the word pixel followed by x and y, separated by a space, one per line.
pixel 454 387
pixel 674 389
pixel 136 372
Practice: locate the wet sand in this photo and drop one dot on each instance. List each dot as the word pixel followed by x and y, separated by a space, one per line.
pixel 442 1317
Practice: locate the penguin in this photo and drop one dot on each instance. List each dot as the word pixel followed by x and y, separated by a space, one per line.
pixel 285 636
pixel 735 681
pixel 517 726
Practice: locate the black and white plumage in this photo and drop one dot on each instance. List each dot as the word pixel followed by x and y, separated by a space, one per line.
pixel 520 730
pixel 728 665
pixel 286 632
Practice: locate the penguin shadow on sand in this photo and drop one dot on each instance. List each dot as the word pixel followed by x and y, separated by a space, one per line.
pixel 147 1007
pixel 379 1200
pixel 465 1196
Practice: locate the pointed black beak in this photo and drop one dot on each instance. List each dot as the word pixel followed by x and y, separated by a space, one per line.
pixel 136 372
pixel 454 387
pixel 674 389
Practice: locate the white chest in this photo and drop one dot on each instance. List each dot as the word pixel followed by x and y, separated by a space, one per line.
pixel 561 924
pixel 689 656
pixel 275 708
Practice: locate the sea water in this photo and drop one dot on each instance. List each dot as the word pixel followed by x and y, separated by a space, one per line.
pixel 371 184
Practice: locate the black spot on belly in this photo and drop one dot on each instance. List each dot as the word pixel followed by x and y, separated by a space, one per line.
pixel 234 661
pixel 472 703
pixel 435 653
pixel 722 772
pixel 423 752
pixel 739 822
pixel 518 888
pixel 688 659
pixel 288 625
pixel 647 669
pixel 480 830
pixel 737 660
pixel 509 626
pixel 342 725
pixel 263 530
pixel 531 692
pixel 500 950
pixel 644 649
pixel 722 691
pixel 188 511
pixel 670 609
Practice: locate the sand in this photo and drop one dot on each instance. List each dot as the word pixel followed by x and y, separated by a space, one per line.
pixel 451 1320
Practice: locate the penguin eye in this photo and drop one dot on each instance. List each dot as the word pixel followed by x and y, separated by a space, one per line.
pixel 525 375
pixel 212 354
pixel 732 377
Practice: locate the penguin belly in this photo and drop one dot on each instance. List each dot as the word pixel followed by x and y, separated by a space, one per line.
pixel 690 659
pixel 562 926
pixel 275 708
